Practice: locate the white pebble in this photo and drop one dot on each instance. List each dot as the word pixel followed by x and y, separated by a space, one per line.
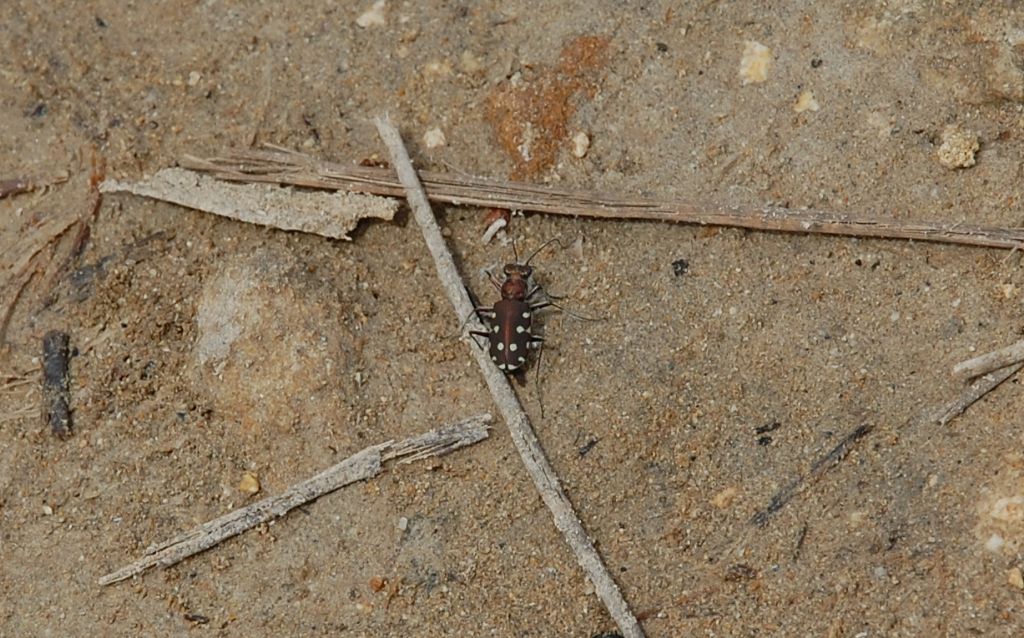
pixel 994 543
pixel 806 102
pixel 434 138
pixel 958 147
pixel 374 16
pixel 403 524
pixel 580 144
pixel 756 62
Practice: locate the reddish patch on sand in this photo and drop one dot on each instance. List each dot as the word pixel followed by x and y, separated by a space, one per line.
pixel 531 119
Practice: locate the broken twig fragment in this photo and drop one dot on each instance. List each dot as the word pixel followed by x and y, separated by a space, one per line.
pixel 824 463
pixel 277 165
pixel 980 387
pixel 56 384
pixel 532 454
pixel 15 186
pixel 328 214
pixel 358 467
pixel 990 361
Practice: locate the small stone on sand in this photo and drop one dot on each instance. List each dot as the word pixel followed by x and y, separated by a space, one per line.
pixel 434 138
pixel 958 147
pixel 806 102
pixel 994 543
pixel 756 62
pixel 1009 509
pixel 374 16
pixel 580 144
pixel 249 484
pixel 724 498
pixel 1015 577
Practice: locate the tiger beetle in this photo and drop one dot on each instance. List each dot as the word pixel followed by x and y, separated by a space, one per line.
pixel 510 333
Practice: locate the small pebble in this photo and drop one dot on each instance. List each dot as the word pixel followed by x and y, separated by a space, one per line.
pixel 1009 509
pixel 249 484
pixel 756 62
pixel 377 583
pixel 580 144
pixel 47 510
pixel 806 102
pixel 434 138
pixel 194 77
pixel 994 543
pixel 470 63
pixel 373 17
pixel 680 267
pixel 403 524
pixel 576 248
pixel 725 498
pixel 1015 577
pixel 958 147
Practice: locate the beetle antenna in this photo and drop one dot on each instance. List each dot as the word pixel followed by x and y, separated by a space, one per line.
pixel 542 247
pixel 575 314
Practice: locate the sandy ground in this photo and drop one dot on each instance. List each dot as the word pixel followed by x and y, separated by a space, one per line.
pixel 334 346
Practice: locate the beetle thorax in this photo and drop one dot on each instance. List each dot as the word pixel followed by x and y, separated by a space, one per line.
pixel 514 287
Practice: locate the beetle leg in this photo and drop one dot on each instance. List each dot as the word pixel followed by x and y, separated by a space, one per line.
pixel 479 333
pixel 495 281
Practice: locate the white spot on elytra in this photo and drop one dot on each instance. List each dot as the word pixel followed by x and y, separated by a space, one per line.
pixel 522 359
pixel 501 346
pixel 495 329
pixel 512 347
pixel 520 329
pixel 526 315
pixel 494 359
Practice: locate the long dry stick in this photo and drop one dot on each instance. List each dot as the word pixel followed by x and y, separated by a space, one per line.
pixel 282 166
pixel 358 467
pixel 985 363
pixel 975 391
pixel 537 465
pixel 943 416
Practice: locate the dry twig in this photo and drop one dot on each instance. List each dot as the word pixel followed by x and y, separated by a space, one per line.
pixel 947 413
pixel 975 391
pixel 990 361
pixel 358 467
pixel 277 165
pixel 328 214
pixel 56 384
pixel 537 465
pixel 822 465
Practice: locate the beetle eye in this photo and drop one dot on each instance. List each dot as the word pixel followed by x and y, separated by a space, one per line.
pixel 509 268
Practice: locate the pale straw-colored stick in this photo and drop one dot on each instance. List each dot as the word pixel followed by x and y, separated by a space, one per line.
pixel 358 467
pixel 537 465
pixel 985 363
pixel 981 386
pixel 277 165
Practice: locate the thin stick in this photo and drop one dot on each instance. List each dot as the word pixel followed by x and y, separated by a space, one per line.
pixel 56 383
pixel 361 466
pixel 978 389
pixel 830 460
pixel 537 465
pixel 950 411
pixel 983 364
pixel 282 166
